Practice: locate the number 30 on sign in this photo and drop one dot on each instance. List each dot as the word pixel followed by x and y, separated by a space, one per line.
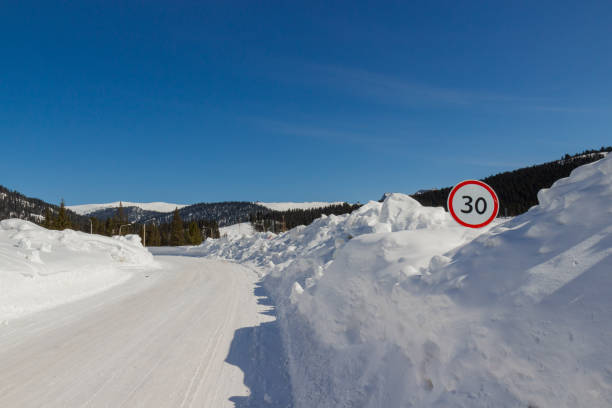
pixel 473 204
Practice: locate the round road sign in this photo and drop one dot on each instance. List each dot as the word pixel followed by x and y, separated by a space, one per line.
pixel 473 204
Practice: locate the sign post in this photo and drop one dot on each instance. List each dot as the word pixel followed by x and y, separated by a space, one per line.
pixel 473 204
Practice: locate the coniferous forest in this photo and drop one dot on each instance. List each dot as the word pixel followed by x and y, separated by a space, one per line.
pixel 175 232
pixel 518 190
pixel 172 233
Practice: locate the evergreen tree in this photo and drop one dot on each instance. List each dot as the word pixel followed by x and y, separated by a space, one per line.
pixel 109 227
pixel 194 233
pixel 96 225
pixel 177 234
pixel 121 214
pixel 155 237
pixel 62 221
pixel 48 223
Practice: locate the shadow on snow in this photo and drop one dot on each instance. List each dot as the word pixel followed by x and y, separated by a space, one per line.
pixel 258 352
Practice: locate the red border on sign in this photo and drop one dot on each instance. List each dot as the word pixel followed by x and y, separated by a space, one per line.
pixel 451 210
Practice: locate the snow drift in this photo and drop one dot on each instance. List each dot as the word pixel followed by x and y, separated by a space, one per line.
pixel 237 230
pixel 40 268
pixel 395 305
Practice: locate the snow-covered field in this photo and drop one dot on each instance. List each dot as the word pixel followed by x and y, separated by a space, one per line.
pixel 40 268
pixel 85 209
pixel 394 305
pixel 298 206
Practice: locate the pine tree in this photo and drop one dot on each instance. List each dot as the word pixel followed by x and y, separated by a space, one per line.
pixel 121 214
pixel 48 223
pixel 108 227
pixel 195 234
pixel 62 221
pixel 177 234
pixel 153 235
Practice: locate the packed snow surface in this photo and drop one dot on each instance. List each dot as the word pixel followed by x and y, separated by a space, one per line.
pixel 187 334
pixel 40 268
pixel 298 206
pixel 85 209
pixel 396 305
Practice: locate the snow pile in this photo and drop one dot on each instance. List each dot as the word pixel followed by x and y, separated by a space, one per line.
pixel 85 209
pixel 521 316
pixel 40 268
pixel 303 251
pixel 298 206
pixel 237 230
pixel 394 305
pixel 388 241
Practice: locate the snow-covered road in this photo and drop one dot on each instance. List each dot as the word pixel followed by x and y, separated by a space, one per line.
pixel 160 340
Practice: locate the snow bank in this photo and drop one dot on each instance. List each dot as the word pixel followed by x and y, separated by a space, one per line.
pixel 315 245
pixel 395 305
pixel 237 230
pixel 40 268
pixel 520 316
pixel 386 241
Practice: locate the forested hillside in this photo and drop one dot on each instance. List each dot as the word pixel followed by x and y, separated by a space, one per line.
pixel 224 213
pixel 132 214
pixel 16 205
pixel 517 190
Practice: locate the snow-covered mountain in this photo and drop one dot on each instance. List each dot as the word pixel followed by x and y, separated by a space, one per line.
pixel 162 207
pixel 134 212
pixel 86 209
pixel 225 213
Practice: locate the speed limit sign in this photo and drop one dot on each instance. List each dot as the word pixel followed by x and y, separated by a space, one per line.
pixel 473 203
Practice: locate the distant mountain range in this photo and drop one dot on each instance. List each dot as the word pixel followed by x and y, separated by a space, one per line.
pixel 159 207
pixel 225 213
pixel 516 189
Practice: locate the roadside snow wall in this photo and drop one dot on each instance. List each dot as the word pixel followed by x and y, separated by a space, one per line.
pixel 40 268
pixel 395 305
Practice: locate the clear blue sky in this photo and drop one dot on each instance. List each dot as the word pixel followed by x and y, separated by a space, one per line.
pixel 190 101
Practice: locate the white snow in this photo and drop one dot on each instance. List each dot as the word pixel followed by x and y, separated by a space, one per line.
pixel 40 268
pixel 392 305
pixel 85 209
pixel 237 230
pixel 298 206
pixel 185 335
pixel 396 305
